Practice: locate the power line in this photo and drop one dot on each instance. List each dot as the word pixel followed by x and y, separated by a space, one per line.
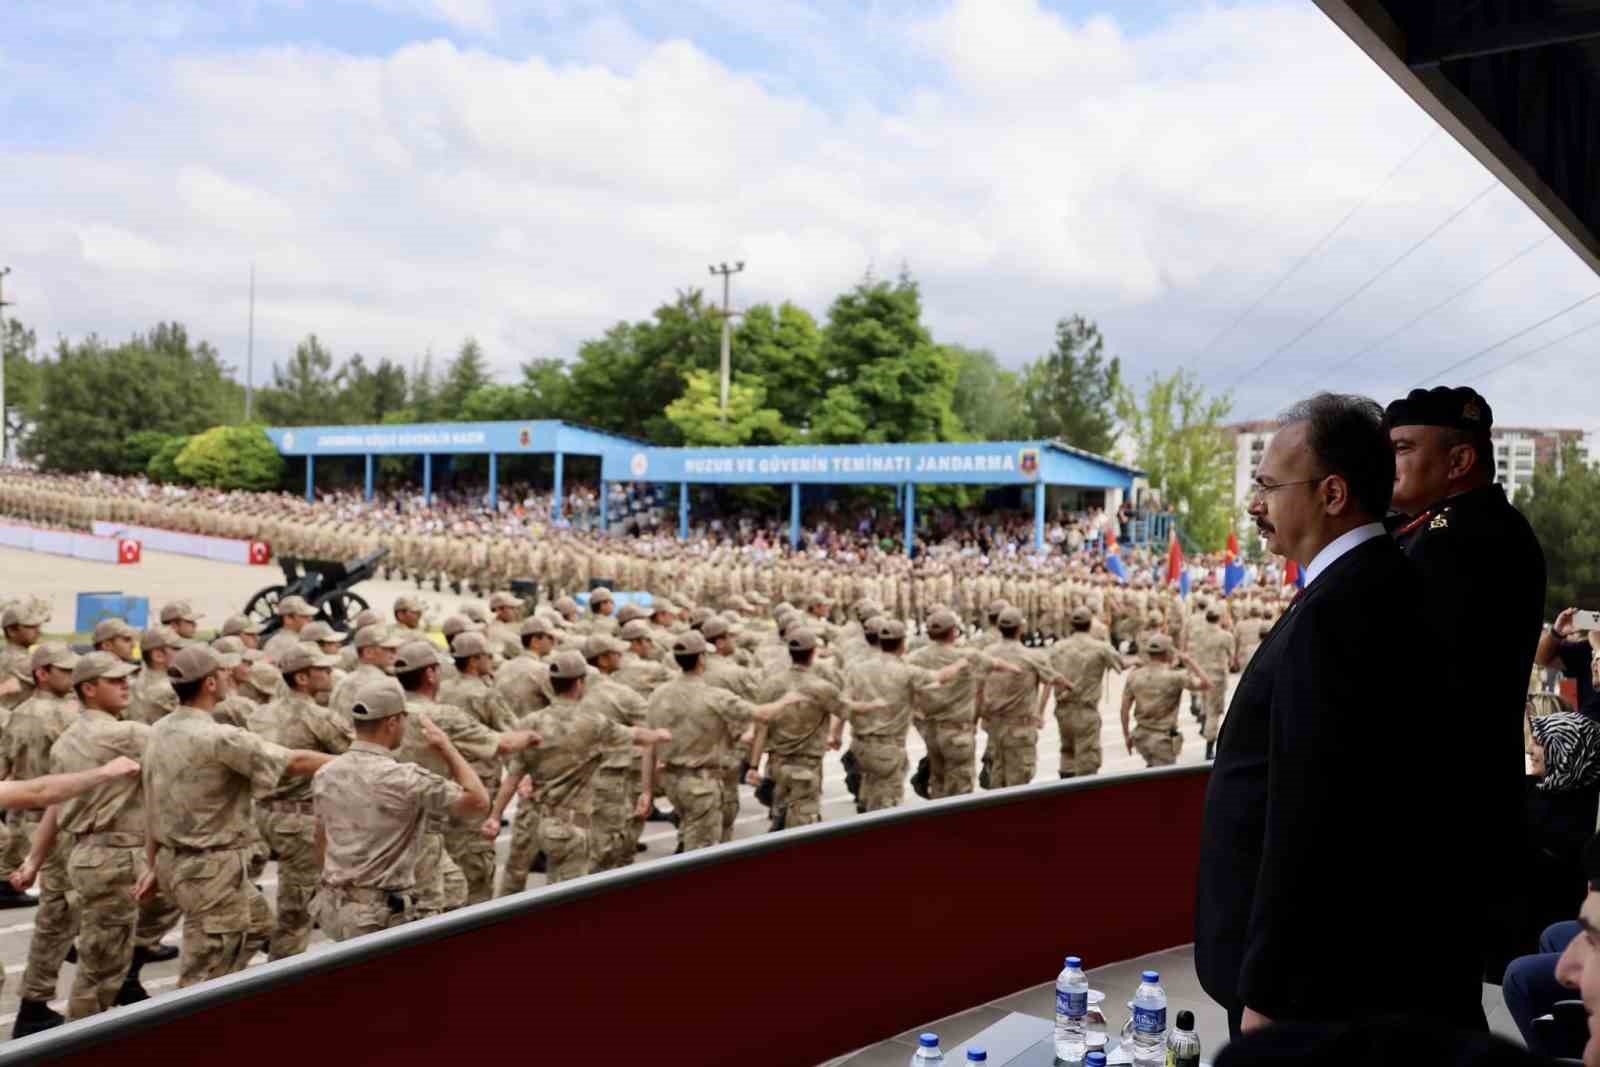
pixel 1322 243
pixel 1364 286
pixel 1505 340
pixel 1392 334
pixel 1535 351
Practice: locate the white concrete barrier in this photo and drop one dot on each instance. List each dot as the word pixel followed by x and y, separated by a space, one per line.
pixel 222 549
pixel 102 548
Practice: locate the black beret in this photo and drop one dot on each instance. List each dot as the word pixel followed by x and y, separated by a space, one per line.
pixel 1459 409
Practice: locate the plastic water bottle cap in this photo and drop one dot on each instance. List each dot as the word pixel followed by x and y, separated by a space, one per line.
pixel 977 1055
pixel 1095 1059
pixel 929 1040
pixel 1151 977
pixel 1073 961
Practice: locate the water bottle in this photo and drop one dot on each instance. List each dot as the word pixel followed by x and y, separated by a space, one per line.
pixel 928 1051
pixel 1183 1044
pixel 1150 1022
pixel 977 1055
pixel 1072 1010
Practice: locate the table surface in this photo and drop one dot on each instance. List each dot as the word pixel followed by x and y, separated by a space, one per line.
pixel 1017 1040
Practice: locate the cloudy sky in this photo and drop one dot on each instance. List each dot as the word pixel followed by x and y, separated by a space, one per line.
pixel 404 173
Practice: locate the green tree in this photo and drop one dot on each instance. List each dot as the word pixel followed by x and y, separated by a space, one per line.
pixel 163 466
pixel 988 398
pixel 230 457
pixel 1070 394
pixel 782 349
pixel 423 400
pixel 888 380
pixel 94 397
pixel 144 445
pixel 465 375
pixel 496 403
pixel 624 381
pixel 1564 511
pixel 305 391
pixel 24 380
pixel 548 387
pixel 698 412
pixel 1185 453
pixel 370 393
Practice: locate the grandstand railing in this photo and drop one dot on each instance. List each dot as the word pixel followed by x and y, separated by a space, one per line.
pixel 787 948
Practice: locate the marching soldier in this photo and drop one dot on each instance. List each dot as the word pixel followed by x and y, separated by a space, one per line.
pixel 296 615
pixel 625 773
pixel 1083 660
pixel 372 809
pixel 1212 648
pixel 1151 696
pixel 153 697
pixel 471 692
pixel 1014 703
pixel 181 617
pixel 375 648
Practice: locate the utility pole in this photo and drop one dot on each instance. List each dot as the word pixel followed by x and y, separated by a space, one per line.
pixel 3 305
pixel 727 273
pixel 250 352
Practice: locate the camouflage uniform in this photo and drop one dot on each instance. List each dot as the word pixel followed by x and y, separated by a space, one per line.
pixel 199 777
pixel 1157 691
pixel 524 684
pixel 465 843
pixel 1010 706
pixel 619 780
pixel 285 817
pixel 878 738
pixel 373 810
pixel 796 739
pixel 1083 660
pixel 706 722
pixel 1213 650
pixel 441 886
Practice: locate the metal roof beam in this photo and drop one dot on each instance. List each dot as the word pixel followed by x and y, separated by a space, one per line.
pixel 1518 37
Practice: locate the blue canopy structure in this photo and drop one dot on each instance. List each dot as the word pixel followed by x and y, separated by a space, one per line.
pixel 1015 463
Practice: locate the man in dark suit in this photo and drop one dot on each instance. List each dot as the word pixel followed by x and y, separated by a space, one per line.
pixel 1484 581
pixel 1320 870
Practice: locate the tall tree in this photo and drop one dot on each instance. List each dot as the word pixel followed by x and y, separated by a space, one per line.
pixel 466 374
pixel 305 390
pixel 700 420
pixel 782 348
pixel 24 381
pixel 370 393
pixel 888 380
pixel 1071 392
pixel 1185 454
pixel 423 400
pixel 988 398
pixel 1564 511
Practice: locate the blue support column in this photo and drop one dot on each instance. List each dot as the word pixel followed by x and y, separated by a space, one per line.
pixel 911 519
pixel 605 506
pixel 427 479
pixel 794 516
pixel 683 511
pixel 494 482
pixel 311 478
pixel 369 476
pixel 1038 518
pixel 555 500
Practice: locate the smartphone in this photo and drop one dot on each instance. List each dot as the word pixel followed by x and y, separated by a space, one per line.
pixel 1586 620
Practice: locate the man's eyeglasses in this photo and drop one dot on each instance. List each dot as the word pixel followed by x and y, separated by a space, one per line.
pixel 1260 489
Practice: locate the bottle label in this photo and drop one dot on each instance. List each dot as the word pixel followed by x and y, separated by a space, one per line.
pixel 1072 1005
pixel 1150 1020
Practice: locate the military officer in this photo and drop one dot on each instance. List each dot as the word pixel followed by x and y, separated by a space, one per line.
pixel 372 809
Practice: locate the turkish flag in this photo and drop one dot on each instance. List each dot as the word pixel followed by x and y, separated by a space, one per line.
pixel 259 552
pixel 1292 575
pixel 1233 546
pixel 128 551
pixel 1174 556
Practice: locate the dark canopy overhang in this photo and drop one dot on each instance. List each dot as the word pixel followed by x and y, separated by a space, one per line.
pixel 1517 82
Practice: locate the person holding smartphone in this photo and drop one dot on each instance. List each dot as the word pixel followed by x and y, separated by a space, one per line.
pixel 1569 644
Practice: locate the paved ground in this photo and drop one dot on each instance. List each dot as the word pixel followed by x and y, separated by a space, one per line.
pixel 219 589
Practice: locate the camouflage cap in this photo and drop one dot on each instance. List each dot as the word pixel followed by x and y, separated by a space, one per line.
pixel 891 630
pixel 691 643
pixel 319 632
pixel 597 645
pixel 295 605
pixel 470 643
pixel 97 665
pixel 536 626
pixel 27 613
pixel 1010 619
pixel 714 628
pixel 228 646
pixel 474 612
pixel 234 625
pixel 1082 617
pixel 305 656
pixel 998 606
pixel 1157 645
pixel 628 612
pixel 503 600
pixel 566 605
pixel 369 636
pixel 599 594
pixel 179 611
pixel 197 661
pixel 456 624
pixel 158 637
pixel 698 616
pixel 369 617
pixel 636 630
pixel 943 622
pixel 568 665
pixel 407 602
pixel 110 630
pixel 866 608
pixel 52 654
pixel 380 698
pixel 1213 615
pixel 415 655
pixel 801 639
pixel 663 606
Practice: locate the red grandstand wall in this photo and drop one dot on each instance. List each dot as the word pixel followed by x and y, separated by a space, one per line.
pixel 787 949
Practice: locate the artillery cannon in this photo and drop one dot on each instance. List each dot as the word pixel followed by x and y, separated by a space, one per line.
pixel 324 584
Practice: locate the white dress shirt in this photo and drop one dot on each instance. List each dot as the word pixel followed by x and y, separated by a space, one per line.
pixel 1339 546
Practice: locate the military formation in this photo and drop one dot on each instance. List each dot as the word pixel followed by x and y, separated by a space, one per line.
pixel 377 768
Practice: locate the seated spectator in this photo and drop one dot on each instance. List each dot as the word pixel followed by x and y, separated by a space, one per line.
pixel 1563 799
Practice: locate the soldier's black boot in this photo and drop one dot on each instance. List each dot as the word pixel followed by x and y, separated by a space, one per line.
pixel 1211 750
pixel 34 1016
pixel 1066 774
pixel 11 897
pixel 159 954
pixel 72 952
pixel 541 862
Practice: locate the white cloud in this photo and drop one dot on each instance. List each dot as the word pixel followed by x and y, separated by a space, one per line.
pixel 1037 167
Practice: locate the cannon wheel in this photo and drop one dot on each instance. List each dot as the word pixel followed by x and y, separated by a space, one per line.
pixel 339 607
pixel 263 607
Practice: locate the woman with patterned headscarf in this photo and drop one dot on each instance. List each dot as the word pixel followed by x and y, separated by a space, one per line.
pixel 1563 797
